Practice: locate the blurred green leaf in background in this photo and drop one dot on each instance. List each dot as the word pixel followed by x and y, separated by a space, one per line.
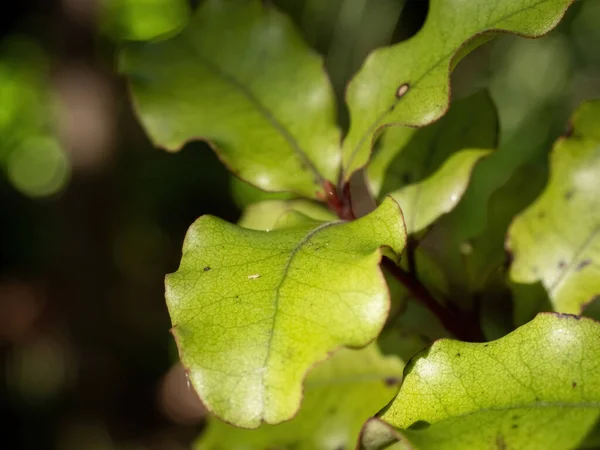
pixel 142 20
pixel 31 153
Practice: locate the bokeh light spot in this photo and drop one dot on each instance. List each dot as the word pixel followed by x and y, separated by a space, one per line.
pixel 39 167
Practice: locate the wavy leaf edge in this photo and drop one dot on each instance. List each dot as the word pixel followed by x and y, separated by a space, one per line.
pixel 381 253
pixel 376 130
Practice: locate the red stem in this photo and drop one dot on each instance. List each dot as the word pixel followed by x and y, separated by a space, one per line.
pixel 463 325
pixel 338 200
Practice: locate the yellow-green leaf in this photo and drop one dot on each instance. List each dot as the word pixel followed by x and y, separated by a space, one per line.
pixel 471 255
pixel 408 83
pixel 244 194
pixel 428 173
pixel 240 77
pixel 424 202
pixel 536 388
pixel 266 214
pixel 340 394
pixel 252 311
pixel 557 239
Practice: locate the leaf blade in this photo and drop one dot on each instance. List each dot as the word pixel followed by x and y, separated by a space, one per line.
pixel 240 77
pixel 427 170
pixel 447 186
pixel 341 393
pixel 416 91
pixel 548 364
pixel 566 260
pixel 265 215
pixel 271 304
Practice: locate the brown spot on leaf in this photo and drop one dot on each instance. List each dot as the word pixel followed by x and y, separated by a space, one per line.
pixel 569 194
pixel 391 381
pixel 541 214
pixel 574 384
pixel 562 264
pixel 500 442
pixel 584 263
pixel 206 269
pixel 402 90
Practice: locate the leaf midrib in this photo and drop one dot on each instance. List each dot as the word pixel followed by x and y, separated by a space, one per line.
pixel 263 110
pixel 487 28
pixel 276 298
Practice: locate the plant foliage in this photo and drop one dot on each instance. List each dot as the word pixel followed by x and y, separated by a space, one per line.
pixel 259 307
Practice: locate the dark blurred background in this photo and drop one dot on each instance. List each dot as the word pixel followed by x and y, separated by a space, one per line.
pixel 92 216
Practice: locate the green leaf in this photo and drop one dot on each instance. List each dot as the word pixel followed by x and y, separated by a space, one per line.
pixel 339 396
pixel 472 256
pixel 252 311
pixel 405 155
pixel 428 174
pixel 426 201
pixel 143 19
pixel 408 83
pixel 557 239
pixel 538 387
pixel 265 215
pixel 244 194
pixel 240 77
